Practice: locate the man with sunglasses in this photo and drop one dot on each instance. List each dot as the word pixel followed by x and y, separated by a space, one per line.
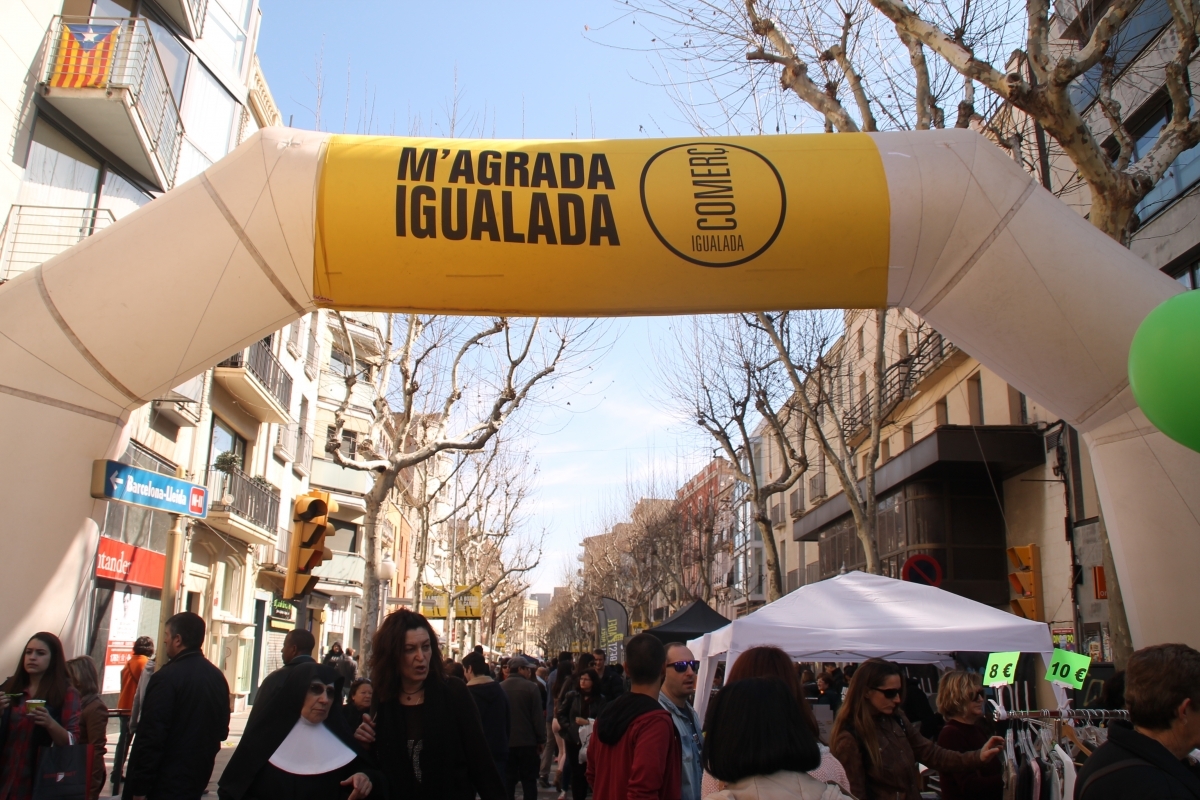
pixel 679 684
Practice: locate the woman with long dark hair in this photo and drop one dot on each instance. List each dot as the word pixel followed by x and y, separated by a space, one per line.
pixel 759 746
pixel 426 732
pixel 880 748
pixel 39 708
pixel 301 748
pixel 960 702
pixel 771 662
pixel 578 707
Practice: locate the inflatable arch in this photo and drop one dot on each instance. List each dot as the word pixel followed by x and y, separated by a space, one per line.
pixel 940 222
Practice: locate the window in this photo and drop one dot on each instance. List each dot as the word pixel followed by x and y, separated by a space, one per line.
pixel 349 445
pixel 58 172
pixel 862 344
pixel 975 399
pixel 885 449
pixel 902 342
pixel 223 37
pixel 907 434
pixel 942 413
pixel 173 55
pixel 226 440
pixel 1189 275
pixel 229 586
pixel 208 113
pixel 112 8
pixel 120 196
pixel 1140 28
pixel 1182 173
pixel 343 538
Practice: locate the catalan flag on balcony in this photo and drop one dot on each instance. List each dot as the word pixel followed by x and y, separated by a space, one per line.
pixel 85 55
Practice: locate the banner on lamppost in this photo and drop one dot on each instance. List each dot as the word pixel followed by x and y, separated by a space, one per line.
pixel 468 604
pixel 435 602
pixel 612 624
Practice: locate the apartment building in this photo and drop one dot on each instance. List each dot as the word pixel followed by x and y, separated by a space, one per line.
pixel 109 104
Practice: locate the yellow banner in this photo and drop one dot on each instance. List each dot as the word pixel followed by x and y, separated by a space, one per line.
pixel 602 227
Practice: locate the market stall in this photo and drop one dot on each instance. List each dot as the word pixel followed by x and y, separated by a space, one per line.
pixel 858 616
pixel 690 622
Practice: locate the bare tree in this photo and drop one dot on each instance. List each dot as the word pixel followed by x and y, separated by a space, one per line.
pixel 875 72
pixel 726 382
pixel 443 384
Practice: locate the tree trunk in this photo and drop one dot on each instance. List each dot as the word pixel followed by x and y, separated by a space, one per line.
pixel 372 602
pixel 774 578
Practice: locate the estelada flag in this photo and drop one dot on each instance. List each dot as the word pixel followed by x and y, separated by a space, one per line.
pixel 84 56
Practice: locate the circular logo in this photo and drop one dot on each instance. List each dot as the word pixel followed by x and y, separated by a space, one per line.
pixel 712 203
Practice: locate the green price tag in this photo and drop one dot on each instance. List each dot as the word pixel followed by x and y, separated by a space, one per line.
pixel 1001 669
pixel 1068 668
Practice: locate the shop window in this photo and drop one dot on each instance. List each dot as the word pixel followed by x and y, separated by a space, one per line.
pixel 58 172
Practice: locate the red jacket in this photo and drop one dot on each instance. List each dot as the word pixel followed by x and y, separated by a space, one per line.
pixel 644 764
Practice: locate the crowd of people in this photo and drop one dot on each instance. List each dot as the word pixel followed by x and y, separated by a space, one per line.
pixel 423 726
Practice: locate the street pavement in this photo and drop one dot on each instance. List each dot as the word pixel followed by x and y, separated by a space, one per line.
pixel 237 725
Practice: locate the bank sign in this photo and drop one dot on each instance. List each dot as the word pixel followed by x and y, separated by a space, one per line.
pixel 112 480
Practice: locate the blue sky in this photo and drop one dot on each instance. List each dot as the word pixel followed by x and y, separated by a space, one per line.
pixel 518 69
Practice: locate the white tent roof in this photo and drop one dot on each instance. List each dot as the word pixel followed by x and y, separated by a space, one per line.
pixel 858 616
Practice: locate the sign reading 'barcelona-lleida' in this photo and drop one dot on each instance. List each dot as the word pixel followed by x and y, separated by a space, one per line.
pixel 112 480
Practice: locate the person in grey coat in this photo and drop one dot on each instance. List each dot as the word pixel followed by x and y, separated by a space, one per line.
pixel 527 731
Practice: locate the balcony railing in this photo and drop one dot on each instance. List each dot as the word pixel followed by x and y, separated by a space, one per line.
pixel 35 234
pixel 899 380
pixel 816 486
pixel 293 445
pixel 114 54
pixel 236 492
pixel 264 366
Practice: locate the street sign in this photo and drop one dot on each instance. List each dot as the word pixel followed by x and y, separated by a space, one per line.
pixel 923 569
pixel 1069 669
pixel 1001 669
pixel 112 480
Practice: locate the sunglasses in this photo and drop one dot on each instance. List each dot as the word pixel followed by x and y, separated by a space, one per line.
pixel 318 689
pixel 682 666
pixel 890 694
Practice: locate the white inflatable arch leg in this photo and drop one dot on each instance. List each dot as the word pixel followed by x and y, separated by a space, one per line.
pixel 992 261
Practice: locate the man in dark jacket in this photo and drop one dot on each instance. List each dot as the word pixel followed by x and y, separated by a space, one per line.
pixel 527 732
pixel 298 648
pixel 492 702
pixel 185 717
pixel 635 753
pixel 1162 692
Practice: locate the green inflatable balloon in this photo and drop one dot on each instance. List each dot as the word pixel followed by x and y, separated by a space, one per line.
pixel 1164 368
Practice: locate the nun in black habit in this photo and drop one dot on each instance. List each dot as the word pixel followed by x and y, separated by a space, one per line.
pixel 301 748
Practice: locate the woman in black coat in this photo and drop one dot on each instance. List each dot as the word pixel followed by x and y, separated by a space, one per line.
pixel 578 707
pixel 426 734
pixel 301 748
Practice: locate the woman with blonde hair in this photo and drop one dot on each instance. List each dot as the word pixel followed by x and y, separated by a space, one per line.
pixel 879 747
pixel 93 717
pixel 960 702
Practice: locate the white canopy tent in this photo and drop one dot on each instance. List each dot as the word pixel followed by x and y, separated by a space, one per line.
pixel 858 616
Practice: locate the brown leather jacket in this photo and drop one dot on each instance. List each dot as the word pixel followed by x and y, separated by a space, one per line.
pixel 93 724
pixel 901 746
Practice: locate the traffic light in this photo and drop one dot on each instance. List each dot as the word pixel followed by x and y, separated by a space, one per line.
pixel 1026 581
pixel 310 523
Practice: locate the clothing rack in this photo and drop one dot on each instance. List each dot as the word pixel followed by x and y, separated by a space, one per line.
pixel 1085 714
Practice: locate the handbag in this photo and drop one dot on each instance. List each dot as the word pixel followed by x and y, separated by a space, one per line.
pixel 585 736
pixel 63 772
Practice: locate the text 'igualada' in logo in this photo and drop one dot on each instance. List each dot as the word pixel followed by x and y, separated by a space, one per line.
pixel 712 203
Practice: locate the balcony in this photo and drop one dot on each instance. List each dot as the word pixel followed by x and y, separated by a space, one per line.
pixel 187 14
pixel 294 446
pixel 181 405
pixel 242 506
pixel 816 487
pixel 343 574
pixel 900 382
pixel 105 75
pixel 259 383
pixel 35 234
pixel 273 558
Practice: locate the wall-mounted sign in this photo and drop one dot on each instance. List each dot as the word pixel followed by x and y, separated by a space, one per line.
pixel 1099 584
pixel 112 480
pixel 283 610
pixel 118 561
